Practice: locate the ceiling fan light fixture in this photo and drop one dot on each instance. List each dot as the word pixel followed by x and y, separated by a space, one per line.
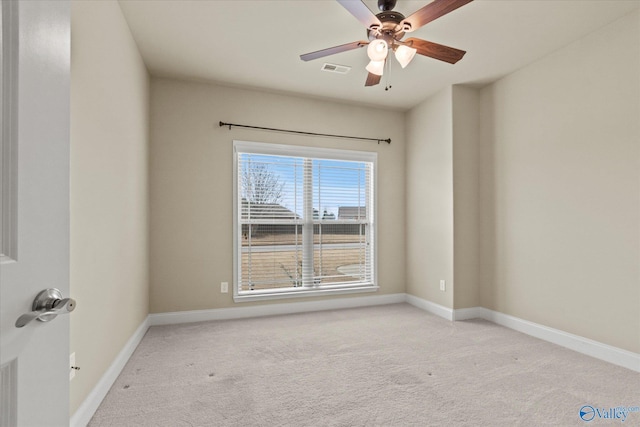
pixel 404 55
pixel 375 67
pixel 377 50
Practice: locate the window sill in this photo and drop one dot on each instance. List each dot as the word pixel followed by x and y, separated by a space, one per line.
pixel 297 293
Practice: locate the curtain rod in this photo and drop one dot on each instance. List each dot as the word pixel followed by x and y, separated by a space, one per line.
pixel 388 140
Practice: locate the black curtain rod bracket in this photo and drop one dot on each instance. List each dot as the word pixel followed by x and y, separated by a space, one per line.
pixel 297 132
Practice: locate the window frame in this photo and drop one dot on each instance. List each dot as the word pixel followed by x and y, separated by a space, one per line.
pixel 307 152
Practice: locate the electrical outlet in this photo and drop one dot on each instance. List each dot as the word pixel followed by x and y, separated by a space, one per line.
pixel 443 286
pixel 72 364
pixel 224 287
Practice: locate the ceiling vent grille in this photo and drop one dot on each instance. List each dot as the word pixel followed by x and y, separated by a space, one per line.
pixel 334 68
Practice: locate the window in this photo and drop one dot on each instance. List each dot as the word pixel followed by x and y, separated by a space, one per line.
pixel 303 221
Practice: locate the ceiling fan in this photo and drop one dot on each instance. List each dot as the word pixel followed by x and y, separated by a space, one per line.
pixel 386 30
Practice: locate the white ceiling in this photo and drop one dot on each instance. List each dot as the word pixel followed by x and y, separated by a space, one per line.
pixel 257 43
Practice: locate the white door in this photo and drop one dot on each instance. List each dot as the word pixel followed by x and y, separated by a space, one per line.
pixel 34 359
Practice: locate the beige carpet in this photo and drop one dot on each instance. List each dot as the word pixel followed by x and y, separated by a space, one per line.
pixel 391 365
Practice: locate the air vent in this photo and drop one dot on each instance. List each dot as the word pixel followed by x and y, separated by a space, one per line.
pixel 334 68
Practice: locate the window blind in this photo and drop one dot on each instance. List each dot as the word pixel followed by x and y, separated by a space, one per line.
pixel 303 222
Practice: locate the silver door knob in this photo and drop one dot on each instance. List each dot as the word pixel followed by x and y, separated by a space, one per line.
pixel 46 306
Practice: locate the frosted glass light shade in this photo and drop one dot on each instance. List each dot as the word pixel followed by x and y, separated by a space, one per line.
pixel 377 50
pixel 375 67
pixel 404 55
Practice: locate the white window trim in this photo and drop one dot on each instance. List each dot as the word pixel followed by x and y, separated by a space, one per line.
pixel 302 151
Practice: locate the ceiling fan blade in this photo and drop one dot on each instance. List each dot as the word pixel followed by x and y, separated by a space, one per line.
pixel 436 51
pixel 333 50
pixel 433 11
pixel 372 79
pixel 362 13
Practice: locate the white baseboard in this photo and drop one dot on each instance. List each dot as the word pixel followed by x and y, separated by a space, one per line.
pixel 431 307
pixel 83 414
pixel 271 309
pixel 608 353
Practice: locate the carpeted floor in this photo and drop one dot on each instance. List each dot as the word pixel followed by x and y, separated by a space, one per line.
pixel 392 365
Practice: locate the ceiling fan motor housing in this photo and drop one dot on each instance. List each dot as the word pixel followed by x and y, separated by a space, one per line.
pixel 392 29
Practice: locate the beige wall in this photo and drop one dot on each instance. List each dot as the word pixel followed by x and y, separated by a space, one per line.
pixel 466 188
pixel 442 222
pixel 560 189
pixel 109 209
pixel 191 181
pixel 429 197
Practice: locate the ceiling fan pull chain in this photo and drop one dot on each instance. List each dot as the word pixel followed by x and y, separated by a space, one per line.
pixel 388 76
